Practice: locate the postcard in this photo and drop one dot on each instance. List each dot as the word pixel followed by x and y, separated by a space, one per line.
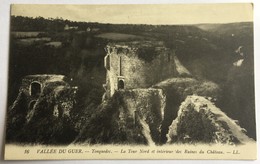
pixel 132 81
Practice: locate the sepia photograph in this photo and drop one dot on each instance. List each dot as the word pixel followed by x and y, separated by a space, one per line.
pixel 131 81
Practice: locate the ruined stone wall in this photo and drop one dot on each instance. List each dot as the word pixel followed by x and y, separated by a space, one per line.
pixel 145 107
pixel 200 121
pixel 41 79
pixel 54 88
pixel 51 107
pixel 126 64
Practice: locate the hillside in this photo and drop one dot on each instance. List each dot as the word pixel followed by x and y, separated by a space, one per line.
pixel 206 61
pixel 229 28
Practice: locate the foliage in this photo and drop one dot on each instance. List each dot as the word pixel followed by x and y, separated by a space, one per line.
pixel 147 54
pixel 196 126
pixel 200 121
pixel 208 56
pixel 105 126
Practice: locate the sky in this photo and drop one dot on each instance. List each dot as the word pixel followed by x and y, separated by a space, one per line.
pixel 142 14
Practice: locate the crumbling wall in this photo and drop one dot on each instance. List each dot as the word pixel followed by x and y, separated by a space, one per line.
pixel 128 117
pixel 41 79
pixel 200 121
pixel 138 66
pixel 29 115
pixel 145 109
pixel 176 91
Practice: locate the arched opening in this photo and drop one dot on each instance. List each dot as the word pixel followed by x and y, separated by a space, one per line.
pixel 35 89
pixel 121 84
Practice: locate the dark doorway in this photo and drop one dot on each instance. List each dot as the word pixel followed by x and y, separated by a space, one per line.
pixel 35 89
pixel 121 84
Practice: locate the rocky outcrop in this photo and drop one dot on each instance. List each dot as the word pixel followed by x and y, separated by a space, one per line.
pixel 200 121
pixel 176 91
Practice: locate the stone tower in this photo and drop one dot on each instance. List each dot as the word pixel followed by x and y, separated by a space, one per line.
pixel 137 64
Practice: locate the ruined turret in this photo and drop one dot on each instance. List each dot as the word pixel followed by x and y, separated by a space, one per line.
pixel 44 101
pixel 32 85
pixel 55 88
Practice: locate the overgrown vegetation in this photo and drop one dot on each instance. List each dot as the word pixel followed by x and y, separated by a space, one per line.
pixel 200 121
pixel 176 90
pixel 106 127
pixel 196 127
pixel 147 54
pixel 208 56
pixel 38 125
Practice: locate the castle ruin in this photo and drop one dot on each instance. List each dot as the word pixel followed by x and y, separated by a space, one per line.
pixel 35 88
pixel 137 64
